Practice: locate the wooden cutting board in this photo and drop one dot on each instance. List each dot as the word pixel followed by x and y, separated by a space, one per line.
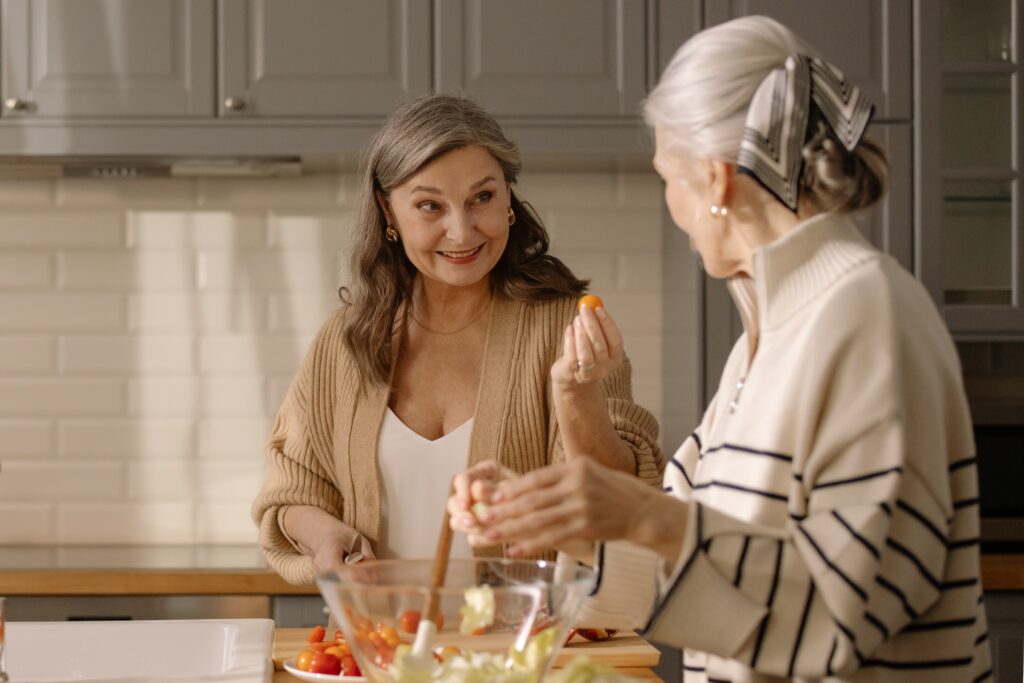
pixel 625 650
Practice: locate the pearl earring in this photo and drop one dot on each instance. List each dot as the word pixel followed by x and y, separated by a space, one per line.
pixel 719 211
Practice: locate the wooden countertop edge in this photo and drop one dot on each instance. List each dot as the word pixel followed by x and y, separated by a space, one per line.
pixel 1002 572
pixel 998 572
pixel 147 582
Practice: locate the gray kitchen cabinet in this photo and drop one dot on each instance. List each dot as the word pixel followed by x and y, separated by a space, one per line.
pixel 69 59
pixel 1006 633
pixel 536 58
pixel 869 40
pixel 320 58
pixel 968 144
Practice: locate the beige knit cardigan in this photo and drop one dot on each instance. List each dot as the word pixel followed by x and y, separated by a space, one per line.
pixel 323 448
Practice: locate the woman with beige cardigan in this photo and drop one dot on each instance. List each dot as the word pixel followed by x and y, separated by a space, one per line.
pixel 821 522
pixel 457 342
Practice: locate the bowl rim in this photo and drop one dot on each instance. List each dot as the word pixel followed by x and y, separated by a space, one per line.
pixel 578 575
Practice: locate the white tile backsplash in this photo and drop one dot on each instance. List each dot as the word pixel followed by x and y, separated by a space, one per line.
pixel 150 328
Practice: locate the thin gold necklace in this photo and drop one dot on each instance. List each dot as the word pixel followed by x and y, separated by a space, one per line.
pixel 448 334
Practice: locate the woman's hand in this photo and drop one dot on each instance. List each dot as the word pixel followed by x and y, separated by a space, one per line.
pixel 592 349
pixel 581 502
pixel 475 485
pixel 335 547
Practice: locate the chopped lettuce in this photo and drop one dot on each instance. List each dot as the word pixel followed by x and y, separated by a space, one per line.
pixel 478 612
pixel 481 667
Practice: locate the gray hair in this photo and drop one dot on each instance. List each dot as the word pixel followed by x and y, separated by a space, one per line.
pixel 702 99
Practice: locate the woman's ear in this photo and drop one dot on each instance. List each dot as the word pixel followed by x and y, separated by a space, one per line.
pixel 721 178
pixel 385 206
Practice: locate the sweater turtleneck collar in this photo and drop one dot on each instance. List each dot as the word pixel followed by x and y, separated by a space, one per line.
pixel 794 269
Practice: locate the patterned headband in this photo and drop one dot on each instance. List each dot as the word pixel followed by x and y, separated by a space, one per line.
pixel 776 127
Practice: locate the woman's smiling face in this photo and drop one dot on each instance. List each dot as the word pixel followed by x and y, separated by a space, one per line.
pixel 452 216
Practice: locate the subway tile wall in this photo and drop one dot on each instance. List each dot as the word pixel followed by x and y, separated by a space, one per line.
pixel 149 329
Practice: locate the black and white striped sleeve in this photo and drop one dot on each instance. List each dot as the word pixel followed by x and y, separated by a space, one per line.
pixel 817 599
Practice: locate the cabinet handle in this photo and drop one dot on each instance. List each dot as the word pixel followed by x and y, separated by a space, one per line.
pixel 234 103
pixel 15 104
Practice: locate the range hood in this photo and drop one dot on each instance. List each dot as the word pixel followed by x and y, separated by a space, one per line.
pixel 42 167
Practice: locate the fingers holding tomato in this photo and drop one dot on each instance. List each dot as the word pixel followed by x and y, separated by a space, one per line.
pixel 592 347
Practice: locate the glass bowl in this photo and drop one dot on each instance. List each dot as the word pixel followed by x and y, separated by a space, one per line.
pixel 378 605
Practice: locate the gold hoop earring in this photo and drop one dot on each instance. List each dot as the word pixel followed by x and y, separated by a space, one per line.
pixel 719 211
pixel 511 216
pixel 390 234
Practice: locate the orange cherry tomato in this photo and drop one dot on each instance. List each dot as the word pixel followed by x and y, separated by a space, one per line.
pixel 591 301
pixel 303 660
pixel 409 620
pixel 324 663
pixel 388 632
pixel 449 651
pixel 319 647
pixel 317 634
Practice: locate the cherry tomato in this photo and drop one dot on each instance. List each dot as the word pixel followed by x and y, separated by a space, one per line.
pixel 324 663
pixel 591 301
pixel 597 634
pixel 317 634
pixel 303 660
pixel 409 620
pixel 349 666
pixel 449 651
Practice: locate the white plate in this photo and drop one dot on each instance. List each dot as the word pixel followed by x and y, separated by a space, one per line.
pixel 290 667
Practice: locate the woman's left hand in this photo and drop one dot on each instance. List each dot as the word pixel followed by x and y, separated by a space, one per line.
pixel 560 506
pixel 592 349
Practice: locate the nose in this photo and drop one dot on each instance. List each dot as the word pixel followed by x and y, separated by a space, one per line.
pixel 460 226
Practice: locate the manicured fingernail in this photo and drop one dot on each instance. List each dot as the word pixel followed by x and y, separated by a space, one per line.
pixel 498 497
pixel 492 535
pixel 467 521
pixel 601 313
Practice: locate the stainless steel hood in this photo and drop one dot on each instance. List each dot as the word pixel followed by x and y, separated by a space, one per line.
pixel 35 167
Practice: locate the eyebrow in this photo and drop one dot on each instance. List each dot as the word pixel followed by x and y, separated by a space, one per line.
pixel 434 190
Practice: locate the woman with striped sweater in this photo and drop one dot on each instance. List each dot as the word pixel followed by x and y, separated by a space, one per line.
pixel 822 520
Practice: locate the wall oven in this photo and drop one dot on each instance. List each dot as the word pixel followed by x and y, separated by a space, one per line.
pixel 1000 449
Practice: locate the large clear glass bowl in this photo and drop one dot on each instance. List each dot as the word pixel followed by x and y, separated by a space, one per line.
pixel 535 603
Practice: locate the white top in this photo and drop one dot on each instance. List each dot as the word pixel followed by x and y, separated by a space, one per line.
pixel 416 474
pixel 832 488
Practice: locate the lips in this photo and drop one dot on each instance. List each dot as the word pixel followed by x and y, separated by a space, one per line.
pixel 461 255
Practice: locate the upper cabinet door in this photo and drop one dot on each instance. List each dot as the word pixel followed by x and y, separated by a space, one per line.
pixel 869 40
pixel 573 58
pixel 319 58
pixel 85 58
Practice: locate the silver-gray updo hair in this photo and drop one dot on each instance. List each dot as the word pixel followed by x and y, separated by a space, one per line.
pixel 702 99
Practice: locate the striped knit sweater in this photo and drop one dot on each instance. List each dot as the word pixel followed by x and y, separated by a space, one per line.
pixel 833 519
pixel 323 447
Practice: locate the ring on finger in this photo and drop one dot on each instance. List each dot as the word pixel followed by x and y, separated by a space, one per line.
pixel 580 365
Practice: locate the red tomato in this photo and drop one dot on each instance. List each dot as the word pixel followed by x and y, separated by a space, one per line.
pixel 303 660
pixel 324 663
pixel 349 666
pixel 317 634
pixel 409 620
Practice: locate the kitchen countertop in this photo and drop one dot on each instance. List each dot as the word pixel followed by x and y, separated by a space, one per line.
pixel 229 570
pixel 140 570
